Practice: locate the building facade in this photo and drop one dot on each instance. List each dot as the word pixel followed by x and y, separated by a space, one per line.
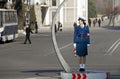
pixel 2 3
pixel 69 13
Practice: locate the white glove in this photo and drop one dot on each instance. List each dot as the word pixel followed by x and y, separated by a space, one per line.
pixel 74 45
pixel 88 45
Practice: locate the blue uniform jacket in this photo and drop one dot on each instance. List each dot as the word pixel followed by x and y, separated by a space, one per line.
pixel 78 32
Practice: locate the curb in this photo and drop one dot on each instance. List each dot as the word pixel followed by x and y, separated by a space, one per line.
pixel 86 75
pixel 43 78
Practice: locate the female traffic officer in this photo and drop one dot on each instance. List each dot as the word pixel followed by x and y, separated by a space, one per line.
pixel 81 42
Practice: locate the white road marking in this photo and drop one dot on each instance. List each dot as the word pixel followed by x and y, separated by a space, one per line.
pixel 59 48
pixel 113 47
pixel 66 46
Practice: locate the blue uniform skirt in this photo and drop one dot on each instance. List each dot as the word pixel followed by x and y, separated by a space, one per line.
pixel 81 49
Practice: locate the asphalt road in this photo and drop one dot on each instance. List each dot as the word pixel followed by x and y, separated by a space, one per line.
pixel 18 60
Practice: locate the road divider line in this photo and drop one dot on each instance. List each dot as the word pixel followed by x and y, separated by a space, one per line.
pixel 59 48
pixel 113 47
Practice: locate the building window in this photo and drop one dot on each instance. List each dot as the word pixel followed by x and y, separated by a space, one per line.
pixel 53 2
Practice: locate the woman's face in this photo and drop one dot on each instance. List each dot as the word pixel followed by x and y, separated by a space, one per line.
pixel 80 22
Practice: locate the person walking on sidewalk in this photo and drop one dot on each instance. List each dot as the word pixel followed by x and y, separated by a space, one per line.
pixel 28 31
pixel 81 42
pixel 94 22
pixel 89 22
pixel 55 28
pixel 99 22
pixel 36 27
pixel 59 26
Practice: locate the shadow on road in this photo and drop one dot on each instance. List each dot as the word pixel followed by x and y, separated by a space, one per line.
pixel 112 27
pixel 45 73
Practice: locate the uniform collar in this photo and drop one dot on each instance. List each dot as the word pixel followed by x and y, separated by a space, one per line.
pixel 82 26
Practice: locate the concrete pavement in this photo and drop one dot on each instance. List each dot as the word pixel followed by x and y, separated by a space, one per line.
pixel 97 36
pixel 48 29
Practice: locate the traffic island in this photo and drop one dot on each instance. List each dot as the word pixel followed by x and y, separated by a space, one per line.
pixel 85 75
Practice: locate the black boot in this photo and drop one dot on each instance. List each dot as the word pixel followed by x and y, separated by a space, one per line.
pixel 82 70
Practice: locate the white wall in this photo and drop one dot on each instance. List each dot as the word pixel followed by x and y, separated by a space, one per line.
pixel 82 9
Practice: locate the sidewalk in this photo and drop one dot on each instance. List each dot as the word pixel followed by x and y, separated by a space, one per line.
pixel 40 30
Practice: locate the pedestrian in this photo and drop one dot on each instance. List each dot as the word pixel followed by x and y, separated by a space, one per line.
pixel 24 23
pixel 96 19
pixel 94 22
pixel 55 28
pixel 89 21
pixel 28 31
pixel 81 43
pixel 99 22
pixel 36 27
pixel 74 24
pixel 59 26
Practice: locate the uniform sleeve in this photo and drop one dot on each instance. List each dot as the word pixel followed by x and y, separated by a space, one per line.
pixel 88 35
pixel 75 34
